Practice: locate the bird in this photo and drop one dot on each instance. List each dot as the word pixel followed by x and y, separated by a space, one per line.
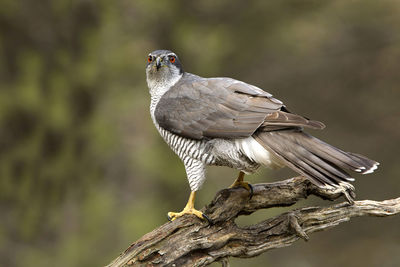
pixel 226 122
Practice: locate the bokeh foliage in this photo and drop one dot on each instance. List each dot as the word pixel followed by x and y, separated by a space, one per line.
pixel 83 172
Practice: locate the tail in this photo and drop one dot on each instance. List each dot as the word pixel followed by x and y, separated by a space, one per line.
pixel 317 160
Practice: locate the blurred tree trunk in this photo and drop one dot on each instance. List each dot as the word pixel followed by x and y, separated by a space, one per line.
pixel 187 241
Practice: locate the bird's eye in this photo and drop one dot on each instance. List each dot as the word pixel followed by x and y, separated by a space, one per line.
pixel 150 59
pixel 172 59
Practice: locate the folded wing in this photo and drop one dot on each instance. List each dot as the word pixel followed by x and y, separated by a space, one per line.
pixel 200 108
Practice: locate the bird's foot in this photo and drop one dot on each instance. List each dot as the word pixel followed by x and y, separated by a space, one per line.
pixel 173 215
pixel 245 185
pixel 189 209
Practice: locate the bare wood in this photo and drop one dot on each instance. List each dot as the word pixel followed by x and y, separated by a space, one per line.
pixel 188 241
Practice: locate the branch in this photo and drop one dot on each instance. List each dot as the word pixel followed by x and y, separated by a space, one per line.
pixel 188 241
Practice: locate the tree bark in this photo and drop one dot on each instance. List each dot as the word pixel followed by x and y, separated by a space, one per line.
pixel 189 241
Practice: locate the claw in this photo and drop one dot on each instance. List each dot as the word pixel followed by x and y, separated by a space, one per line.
pixel 173 215
pixel 208 219
pixel 189 209
pixel 240 183
pixel 251 190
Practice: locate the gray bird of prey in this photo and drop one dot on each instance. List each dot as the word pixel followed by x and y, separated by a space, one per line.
pixel 226 122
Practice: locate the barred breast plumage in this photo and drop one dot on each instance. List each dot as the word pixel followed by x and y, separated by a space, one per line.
pixel 196 154
pixel 193 153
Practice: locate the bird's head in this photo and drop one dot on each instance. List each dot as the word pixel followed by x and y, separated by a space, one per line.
pixel 163 67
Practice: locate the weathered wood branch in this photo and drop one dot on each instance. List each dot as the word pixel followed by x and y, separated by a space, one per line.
pixel 188 241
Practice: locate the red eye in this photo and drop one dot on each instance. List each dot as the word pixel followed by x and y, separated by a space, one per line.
pixel 172 59
pixel 150 59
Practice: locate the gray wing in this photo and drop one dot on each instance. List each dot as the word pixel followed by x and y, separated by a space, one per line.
pixel 222 108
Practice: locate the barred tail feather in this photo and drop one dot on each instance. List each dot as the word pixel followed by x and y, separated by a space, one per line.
pixel 322 163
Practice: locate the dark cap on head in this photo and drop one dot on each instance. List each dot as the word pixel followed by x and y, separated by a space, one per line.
pixel 166 57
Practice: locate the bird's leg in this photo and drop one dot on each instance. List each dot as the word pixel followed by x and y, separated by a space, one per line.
pixel 239 182
pixel 189 209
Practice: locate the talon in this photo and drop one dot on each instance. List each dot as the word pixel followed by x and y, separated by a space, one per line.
pixel 189 209
pixel 173 215
pixel 251 191
pixel 208 219
pixel 240 183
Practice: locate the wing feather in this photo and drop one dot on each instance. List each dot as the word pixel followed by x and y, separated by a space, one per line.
pixel 200 108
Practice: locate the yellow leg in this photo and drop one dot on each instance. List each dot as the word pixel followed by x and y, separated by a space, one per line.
pixel 189 209
pixel 240 183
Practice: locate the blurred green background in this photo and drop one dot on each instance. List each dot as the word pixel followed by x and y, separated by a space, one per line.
pixel 83 172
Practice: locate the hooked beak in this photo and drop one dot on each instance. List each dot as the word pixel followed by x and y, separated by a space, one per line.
pixel 158 63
